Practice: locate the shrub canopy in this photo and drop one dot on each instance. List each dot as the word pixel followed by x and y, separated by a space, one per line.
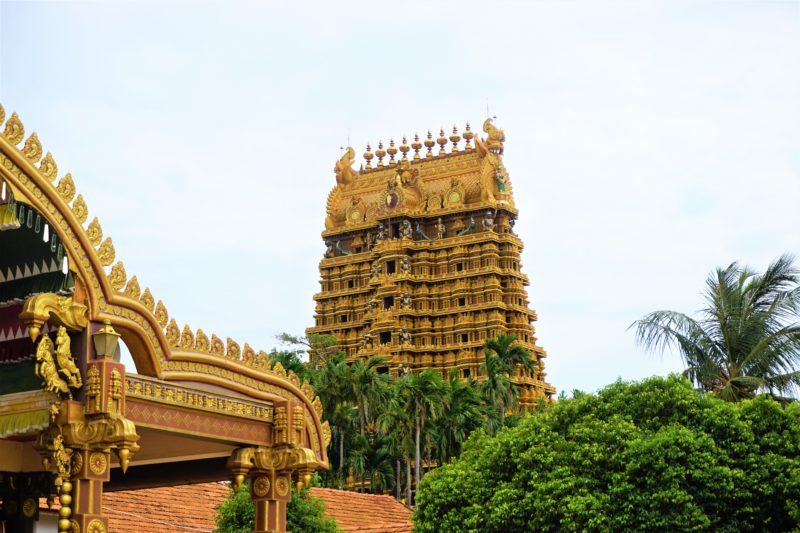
pixel 649 456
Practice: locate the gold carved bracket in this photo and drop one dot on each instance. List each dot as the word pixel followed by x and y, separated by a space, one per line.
pixel 81 432
pixel 282 458
pixel 64 311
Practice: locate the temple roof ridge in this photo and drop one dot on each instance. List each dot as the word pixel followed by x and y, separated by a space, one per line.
pixel 104 254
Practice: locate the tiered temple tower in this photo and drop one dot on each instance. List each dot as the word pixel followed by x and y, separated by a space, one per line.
pixel 422 264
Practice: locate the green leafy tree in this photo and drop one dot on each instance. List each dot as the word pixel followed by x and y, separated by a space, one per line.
pixel 320 348
pixel 304 514
pixel 290 361
pixel 747 337
pixel 649 456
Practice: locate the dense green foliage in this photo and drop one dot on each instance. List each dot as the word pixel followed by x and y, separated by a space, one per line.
pixel 648 456
pixel 747 337
pixel 303 514
pixel 385 429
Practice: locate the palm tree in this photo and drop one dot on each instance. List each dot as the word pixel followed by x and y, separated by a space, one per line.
pixel 334 387
pixel 464 412
pixel 397 423
pixel 368 386
pixel 511 354
pixel 425 392
pixel 747 337
pixel 497 390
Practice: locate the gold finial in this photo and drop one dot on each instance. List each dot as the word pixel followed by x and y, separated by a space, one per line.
pixel 454 138
pixel 48 167
pixel 380 153
pixel 468 135
pixel 33 148
pixel 429 144
pixel 416 145
pixel 14 131
pixel 404 148
pixel 392 151
pixel 442 142
pixel 368 155
pixel 66 187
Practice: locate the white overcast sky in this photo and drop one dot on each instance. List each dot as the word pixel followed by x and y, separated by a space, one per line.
pixel 647 143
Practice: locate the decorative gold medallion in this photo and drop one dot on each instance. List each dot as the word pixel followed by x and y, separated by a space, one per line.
pixel 29 508
pixel 98 463
pixel 261 486
pixel 77 463
pixel 282 486
pixel 96 526
pixel 76 527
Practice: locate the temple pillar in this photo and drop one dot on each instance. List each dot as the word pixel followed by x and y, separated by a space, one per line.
pixel 270 469
pixel 270 492
pixel 90 469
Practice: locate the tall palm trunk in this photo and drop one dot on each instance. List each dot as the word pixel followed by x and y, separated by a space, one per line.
pixel 341 458
pixel 408 483
pixel 418 459
pixel 397 480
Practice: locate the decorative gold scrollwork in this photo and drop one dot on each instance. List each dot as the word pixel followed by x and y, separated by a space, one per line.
pixel 63 309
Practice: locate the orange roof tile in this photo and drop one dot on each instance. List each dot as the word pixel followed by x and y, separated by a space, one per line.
pixel 165 509
pixel 365 513
pixel 193 507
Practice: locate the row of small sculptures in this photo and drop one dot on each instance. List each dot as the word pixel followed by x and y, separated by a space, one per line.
pixel 406 232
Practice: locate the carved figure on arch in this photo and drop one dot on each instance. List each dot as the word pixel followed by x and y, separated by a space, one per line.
pixel 65 360
pixel 46 368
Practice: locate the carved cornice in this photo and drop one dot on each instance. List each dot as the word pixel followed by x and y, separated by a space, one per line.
pixel 177 395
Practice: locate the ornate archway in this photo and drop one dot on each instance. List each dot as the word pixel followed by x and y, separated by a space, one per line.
pixel 198 409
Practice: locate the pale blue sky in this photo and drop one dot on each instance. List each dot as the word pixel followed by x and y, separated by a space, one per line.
pixel 647 142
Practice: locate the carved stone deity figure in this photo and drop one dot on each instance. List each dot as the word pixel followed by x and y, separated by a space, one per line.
pixel 405 336
pixel 406 231
pixel 366 342
pixel 381 236
pixel 405 301
pixel 373 305
pixel 441 230
pixel 488 221
pixel 405 266
pixel 328 248
pixel 376 269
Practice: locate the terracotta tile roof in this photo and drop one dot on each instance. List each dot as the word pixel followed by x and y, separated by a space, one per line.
pixel 365 513
pixel 164 509
pixel 192 508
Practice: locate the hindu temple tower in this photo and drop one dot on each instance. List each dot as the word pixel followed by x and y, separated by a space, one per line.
pixel 422 264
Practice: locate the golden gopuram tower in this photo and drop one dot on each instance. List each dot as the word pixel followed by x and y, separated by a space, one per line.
pixel 422 264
